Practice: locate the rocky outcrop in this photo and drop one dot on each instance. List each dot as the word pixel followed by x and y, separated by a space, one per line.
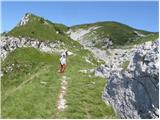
pixel 134 93
pixel 139 34
pixel 114 61
pixel 80 33
pixel 90 39
pixel 24 20
pixel 9 44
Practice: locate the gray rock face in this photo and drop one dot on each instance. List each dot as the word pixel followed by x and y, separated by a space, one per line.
pixel 115 61
pixel 134 93
pixel 24 20
pixel 9 44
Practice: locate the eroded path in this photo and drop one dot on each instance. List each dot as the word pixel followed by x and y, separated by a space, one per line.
pixel 61 102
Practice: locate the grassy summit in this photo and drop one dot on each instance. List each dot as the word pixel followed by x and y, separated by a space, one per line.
pixel 118 33
pixel 39 28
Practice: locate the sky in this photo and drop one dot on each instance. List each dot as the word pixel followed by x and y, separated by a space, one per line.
pixel 140 15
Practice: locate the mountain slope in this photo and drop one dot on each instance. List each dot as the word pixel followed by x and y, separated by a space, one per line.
pixel 106 34
pixel 37 27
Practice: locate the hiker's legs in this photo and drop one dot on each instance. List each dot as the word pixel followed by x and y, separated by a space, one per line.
pixel 61 68
pixel 64 67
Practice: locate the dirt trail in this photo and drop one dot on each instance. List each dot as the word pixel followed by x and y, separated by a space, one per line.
pixel 61 102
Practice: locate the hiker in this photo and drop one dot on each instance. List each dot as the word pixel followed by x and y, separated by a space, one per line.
pixel 63 64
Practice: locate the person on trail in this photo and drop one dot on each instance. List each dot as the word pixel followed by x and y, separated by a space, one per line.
pixel 63 63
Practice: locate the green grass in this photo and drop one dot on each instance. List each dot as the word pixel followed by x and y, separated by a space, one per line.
pixel 83 97
pixel 151 37
pixel 120 34
pixel 41 29
pixel 23 96
pixel 32 99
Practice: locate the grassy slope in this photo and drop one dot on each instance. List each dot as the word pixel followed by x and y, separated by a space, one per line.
pixel 120 34
pixel 41 29
pixel 23 96
pixel 151 37
pixel 30 99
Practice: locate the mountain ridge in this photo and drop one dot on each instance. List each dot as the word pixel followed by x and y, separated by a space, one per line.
pixel 109 28
pixel 102 21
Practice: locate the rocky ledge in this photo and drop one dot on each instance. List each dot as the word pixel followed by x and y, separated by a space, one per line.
pixel 134 93
pixel 9 44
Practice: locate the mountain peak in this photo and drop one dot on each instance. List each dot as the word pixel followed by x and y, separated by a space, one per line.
pixel 25 19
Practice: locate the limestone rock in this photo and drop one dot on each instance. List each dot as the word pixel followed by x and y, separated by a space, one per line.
pixel 9 44
pixel 24 20
pixel 134 93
